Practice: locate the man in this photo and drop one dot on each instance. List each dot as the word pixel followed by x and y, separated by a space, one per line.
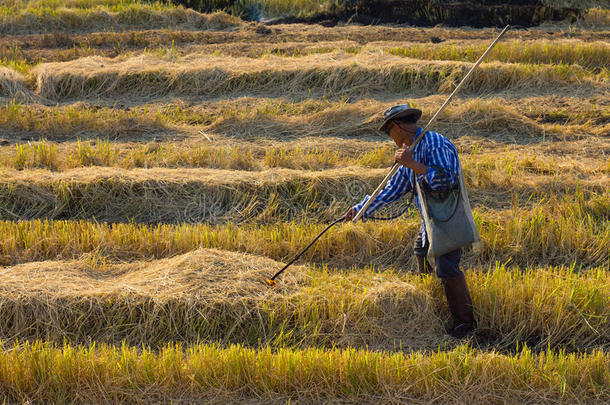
pixel 435 162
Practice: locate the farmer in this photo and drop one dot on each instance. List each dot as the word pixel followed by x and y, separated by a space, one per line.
pixel 436 163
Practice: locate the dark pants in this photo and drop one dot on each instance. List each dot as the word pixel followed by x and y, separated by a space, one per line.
pixel 447 265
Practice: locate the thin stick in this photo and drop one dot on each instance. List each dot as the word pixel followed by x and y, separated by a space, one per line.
pixel 395 167
pixel 271 281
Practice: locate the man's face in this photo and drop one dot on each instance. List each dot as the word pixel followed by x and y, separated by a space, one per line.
pixel 397 134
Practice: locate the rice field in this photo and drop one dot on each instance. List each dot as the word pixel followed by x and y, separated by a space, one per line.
pixel 158 163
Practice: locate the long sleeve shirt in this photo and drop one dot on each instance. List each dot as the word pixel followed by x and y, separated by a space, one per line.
pixel 434 151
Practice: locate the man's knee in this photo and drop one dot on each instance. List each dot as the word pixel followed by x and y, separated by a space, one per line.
pixel 448 265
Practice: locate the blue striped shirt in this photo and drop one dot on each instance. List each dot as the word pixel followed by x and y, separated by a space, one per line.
pixel 433 150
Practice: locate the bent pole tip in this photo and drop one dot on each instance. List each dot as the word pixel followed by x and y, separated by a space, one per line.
pixel 270 282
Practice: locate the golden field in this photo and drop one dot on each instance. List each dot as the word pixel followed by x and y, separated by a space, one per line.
pixel 158 163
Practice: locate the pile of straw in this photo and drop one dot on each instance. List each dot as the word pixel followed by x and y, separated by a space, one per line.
pixel 208 294
pixel 265 196
pixel 31 21
pixel 13 86
pixel 334 74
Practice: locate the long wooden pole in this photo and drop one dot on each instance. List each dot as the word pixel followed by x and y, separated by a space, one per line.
pixel 271 281
pixel 396 165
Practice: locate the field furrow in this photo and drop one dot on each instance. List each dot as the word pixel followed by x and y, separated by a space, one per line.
pixel 219 296
pixel 21 53
pixel 333 75
pixel 193 194
pixel 512 119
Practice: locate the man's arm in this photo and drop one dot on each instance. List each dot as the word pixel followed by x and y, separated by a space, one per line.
pixel 443 165
pixel 406 159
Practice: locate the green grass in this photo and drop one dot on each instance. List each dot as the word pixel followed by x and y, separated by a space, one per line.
pixel 591 55
pixel 44 154
pixel 126 374
pixel 597 17
pixel 53 7
pixel 44 17
pixel 13 58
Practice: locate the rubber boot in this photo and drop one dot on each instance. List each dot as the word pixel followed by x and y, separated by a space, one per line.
pixel 460 305
pixel 423 266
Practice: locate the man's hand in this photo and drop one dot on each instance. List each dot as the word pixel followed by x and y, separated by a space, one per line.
pixel 404 157
pixel 349 215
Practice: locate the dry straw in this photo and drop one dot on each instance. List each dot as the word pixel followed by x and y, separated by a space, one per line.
pixel 497 118
pixel 211 295
pixel 265 196
pixel 146 76
pixel 124 16
pixel 215 295
pixel 361 120
pixel 13 86
pixel 173 195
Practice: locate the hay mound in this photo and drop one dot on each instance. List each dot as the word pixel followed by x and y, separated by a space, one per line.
pixel 136 16
pixel 13 86
pixel 178 195
pixel 204 274
pixel 359 75
pixel 212 295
